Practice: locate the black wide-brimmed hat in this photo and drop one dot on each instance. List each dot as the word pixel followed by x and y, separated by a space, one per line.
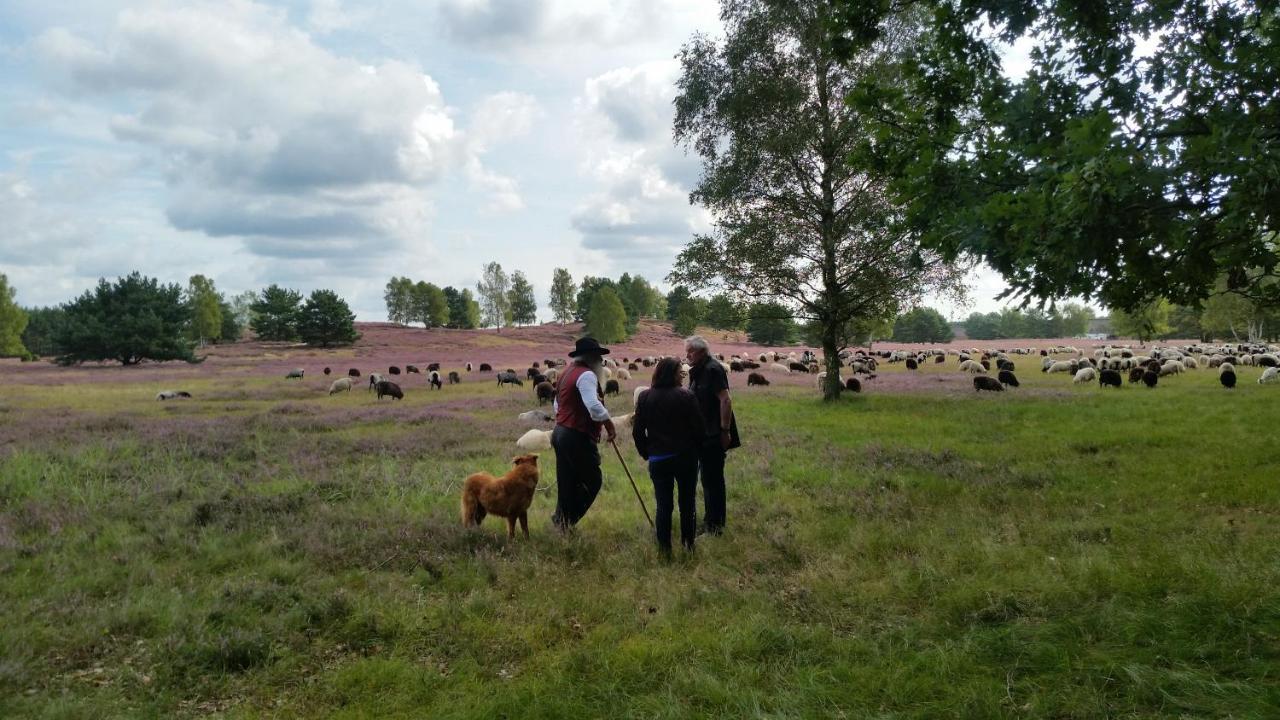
pixel 588 346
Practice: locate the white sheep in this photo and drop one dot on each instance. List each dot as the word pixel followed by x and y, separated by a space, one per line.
pixel 973 366
pixel 779 368
pixel 1190 363
pixel 1171 367
pixel 534 417
pixel 374 379
pixel 622 374
pixel 622 425
pixel 1085 374
pixel 339 385
pixel 535 440
pixel 635 394
pixel 551 375
pixel 175 394
pixel 1270 375
pixel 1061 366
pixel 822 377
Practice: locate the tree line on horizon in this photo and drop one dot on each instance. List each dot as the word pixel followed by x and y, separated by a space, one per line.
pixel 138 318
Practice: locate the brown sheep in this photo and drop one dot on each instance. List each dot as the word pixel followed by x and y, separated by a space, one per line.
pixel 386 387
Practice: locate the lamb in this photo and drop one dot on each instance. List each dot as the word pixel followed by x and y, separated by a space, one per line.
pixel 611 387
pixel 1085 375
pixel 339 385
pixel 756 379
pixel 534 417
pixel 386 387
pixel 1270 375
pixel 535 440
pixel 1008 379
pixel 295 373
pixel 1109 377
pixel 433 379
pixel 172 394
pixel 990 384
pixel 454 378
pixel 509 378
pixel 545 392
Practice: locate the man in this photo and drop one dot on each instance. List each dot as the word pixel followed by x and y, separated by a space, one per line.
pixel 580 414
pixel 710 385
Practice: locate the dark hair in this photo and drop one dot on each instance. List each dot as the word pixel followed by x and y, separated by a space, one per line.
pixel 666 374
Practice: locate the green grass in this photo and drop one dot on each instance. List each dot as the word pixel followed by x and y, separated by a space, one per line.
pixel 1061 553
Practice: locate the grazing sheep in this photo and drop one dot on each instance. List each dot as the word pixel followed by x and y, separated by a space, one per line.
pixel 1109 377
pixel 1135 374
pixel 1267 361
pixel 374 379
pixel 411 369
pixel 545 392
pixel 1270 375
pixel 339 385
pixel 939 359
pixel 433 379
pixel 1190 363
pixel 632 367
pixel 794 366
pixel 353 373
pixel 735 366
pixel 1085 375
pixel 327 371
pixel 756 379
pixel 1171 367
pixel 622 425
pixel 454 377
pixel 295 373
pixel 539 378
pixel 1150 378
pixel 611 387
pixel 912 364
pixel 622 374
pixel 1227 377
pixel 852 385
pixel 531 373
pixel 172 394
pixel 468 367
pixel 635 394
pixel 551 375
pixel 534 417
pixel 509 378
pixel 433 366
pixel 982 382
pixel 535 440
pixel 393 370
pixel 971 366
pixel 779 368
pixel 386 387
pixel 1007 378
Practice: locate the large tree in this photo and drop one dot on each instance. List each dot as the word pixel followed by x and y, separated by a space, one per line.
pixel 606 319
pixel 131 320
pixel 275 314
pixel 922 325
pixel 520 298
pixel 13 321
pixel 795 219
pixel 563 291
pixel 1138 158
pixel 495 303
pixel 43 325
pixel 326 320
pixel 399 297
pixel 206 309
pixel 428 305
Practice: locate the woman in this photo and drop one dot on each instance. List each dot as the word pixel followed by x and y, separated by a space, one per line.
pixel 668 429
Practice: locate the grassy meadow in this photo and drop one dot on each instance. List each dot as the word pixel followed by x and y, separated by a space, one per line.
pixel 265 550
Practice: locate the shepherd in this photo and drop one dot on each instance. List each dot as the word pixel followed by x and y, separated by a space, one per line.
pixel 580 415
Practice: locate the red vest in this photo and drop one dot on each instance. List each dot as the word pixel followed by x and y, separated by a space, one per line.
pixel 571 412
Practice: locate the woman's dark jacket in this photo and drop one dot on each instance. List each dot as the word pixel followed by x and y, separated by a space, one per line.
pixel 667 422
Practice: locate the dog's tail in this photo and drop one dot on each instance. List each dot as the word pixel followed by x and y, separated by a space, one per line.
pixel 472 511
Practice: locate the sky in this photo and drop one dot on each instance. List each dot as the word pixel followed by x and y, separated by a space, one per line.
pixel 335 144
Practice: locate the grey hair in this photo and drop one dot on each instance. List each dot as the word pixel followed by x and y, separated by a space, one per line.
pixel 696 342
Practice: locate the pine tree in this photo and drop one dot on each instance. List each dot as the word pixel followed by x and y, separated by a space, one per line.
pixel 131 320
pixel 275 314
pixel 326 320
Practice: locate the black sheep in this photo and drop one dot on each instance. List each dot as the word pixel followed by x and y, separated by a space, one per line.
pixel 1150 377
pixel 939 358
pixel 1008 378
pixel 539 378
pixel 386 387
pixel 852 385
pixel 454 377
pixel 532 372
pixel 393 370
pixel 982 382
pixel 912 364
pixel 433 366
pixel 411 369
pixel 545 392
pixel 735 366
pixel 486 367
pixel 1227 378
pixel 1265 361
pixel 1109 377
pixel 986 365
pixel 509 378
pixel 327 371
pixel 794 366
pixel 1135 375
pixel 757 379
pixel 353 373
pixel 611 387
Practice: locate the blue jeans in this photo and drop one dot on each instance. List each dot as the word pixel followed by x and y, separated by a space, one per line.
pixel 667 475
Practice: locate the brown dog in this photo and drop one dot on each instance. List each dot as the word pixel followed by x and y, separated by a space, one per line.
pixel 508 496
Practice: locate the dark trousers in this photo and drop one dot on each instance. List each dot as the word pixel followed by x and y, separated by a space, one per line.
pixel 711 464
pixel 677 472
pixel 578 476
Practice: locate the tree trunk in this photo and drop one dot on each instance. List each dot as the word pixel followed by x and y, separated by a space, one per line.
pixel 831 353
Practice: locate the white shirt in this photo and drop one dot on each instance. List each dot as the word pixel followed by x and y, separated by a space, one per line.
pixel 589 388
